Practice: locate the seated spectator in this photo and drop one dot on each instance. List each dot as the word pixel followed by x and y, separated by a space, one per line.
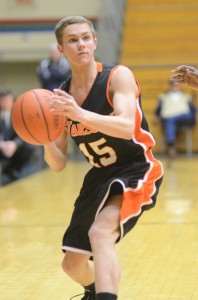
pixel 174 109
pixel 53 71
pixel 15 154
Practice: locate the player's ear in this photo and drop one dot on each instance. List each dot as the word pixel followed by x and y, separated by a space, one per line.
pixel 60 48
pixel 95 42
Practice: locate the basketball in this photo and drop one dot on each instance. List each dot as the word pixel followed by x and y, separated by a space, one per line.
pixel 32 119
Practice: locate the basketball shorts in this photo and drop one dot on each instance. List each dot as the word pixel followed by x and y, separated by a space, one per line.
pixel 138 181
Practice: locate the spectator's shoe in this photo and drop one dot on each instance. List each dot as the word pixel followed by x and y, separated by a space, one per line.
pixel 88 295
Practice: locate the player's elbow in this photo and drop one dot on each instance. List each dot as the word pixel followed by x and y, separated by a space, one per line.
pixel 58 168
pixel 129 130
pixel 128 136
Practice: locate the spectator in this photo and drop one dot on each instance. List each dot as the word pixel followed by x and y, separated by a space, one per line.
pixel 53 70
pixel 174 109
pixel 15 154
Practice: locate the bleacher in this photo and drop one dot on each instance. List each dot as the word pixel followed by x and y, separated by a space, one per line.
pixel 157 37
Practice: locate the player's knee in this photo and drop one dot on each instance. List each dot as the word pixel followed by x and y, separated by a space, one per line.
pixel 96 234
pixel 102 234
pixel 70 266
pixel 66 266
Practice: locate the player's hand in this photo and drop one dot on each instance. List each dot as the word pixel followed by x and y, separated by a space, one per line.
pixel 63 103
pixel 186 75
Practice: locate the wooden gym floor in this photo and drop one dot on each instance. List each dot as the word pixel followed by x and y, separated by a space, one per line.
pixel 159 258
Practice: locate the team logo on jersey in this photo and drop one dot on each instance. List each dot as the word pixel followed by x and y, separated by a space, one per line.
pixel 78 129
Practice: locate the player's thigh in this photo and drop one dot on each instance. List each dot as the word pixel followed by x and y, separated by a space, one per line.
pixel 108 218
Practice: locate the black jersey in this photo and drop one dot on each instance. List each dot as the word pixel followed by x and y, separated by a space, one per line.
pixel 102 150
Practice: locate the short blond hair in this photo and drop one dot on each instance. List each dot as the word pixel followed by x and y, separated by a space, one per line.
pixel 66 21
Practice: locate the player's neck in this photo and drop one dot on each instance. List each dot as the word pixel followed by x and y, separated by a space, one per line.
pixel 84 75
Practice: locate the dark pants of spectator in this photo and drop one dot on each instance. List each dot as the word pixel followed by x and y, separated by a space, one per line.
pixel 172 124
pixel 17 166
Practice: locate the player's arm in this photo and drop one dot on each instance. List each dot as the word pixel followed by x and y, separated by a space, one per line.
pixel 55 153
pixel 123 91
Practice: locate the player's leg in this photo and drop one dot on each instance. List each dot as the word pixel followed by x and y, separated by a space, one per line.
pixel 103 234
pixel 79 268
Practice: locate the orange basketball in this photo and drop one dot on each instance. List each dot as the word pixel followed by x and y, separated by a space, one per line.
pixel 32 119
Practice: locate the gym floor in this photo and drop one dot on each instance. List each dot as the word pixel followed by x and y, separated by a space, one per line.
pixel 159 258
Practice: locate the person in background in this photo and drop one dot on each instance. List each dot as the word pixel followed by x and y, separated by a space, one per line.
pixel 102 106
pixel 53 71
pixel 15 154
pixel 186 75
pixel 174 109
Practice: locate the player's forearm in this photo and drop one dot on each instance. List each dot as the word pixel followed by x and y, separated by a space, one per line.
pixel 115 126
pixel 54 157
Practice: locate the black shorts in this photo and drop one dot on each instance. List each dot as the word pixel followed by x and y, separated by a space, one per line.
pixel 138 181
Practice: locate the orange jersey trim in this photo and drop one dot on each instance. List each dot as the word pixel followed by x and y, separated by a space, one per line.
pixel 108 84
pixel 141 136
pixel 99 66
pixel 135 199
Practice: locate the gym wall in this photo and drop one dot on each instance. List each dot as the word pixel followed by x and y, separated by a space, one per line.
pixel 26 33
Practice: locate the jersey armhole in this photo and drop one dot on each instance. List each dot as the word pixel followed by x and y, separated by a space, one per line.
pixel 108 84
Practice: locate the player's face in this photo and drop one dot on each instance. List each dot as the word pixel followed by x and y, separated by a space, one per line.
pixel 78 43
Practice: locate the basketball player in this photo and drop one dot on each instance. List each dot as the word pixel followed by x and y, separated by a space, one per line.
pixel 186 75
pixel 105 118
